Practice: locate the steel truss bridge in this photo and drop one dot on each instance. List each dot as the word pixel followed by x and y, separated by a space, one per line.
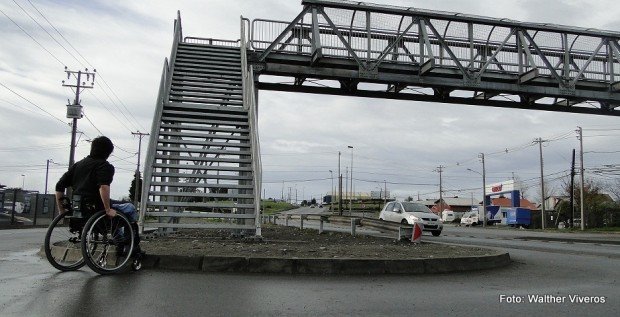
pixel 203 159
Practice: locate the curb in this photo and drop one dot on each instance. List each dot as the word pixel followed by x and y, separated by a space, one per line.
pixel 325 266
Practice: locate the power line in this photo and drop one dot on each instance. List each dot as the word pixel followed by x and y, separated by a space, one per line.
pixel 42 46
pixel 32 103
pixel 101 77
pixel 91 123
pixel 48 33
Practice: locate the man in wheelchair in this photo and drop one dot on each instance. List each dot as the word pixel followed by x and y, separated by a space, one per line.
pixel 90 180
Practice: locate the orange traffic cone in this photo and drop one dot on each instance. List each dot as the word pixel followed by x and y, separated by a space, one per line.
pixel 416 237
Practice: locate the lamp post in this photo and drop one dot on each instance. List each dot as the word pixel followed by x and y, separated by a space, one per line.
pixel 331 201
pixel 339 186
pixel 484 198
pixel 23 180
pixel 351 195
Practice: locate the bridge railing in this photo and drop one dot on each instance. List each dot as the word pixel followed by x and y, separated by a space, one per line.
pixel 211 41
pixel 373 35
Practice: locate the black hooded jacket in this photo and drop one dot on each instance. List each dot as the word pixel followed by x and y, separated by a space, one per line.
pixel 85 177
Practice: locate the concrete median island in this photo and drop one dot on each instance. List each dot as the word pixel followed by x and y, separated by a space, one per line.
pixel 303 251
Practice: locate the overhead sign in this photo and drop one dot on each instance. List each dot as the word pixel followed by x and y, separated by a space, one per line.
pixel 498 188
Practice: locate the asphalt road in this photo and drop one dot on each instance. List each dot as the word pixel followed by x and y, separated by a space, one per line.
pixel 31 287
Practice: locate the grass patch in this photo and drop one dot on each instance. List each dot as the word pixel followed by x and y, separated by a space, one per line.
pixel 272 207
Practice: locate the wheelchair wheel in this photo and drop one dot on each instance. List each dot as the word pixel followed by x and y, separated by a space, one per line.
pixel 62 244
pixel 107 243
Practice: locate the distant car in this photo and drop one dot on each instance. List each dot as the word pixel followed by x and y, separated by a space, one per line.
pixel 409 213
pixel 320 206
pixel 470 219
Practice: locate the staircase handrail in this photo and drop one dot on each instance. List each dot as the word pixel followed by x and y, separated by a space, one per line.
pixel 250 104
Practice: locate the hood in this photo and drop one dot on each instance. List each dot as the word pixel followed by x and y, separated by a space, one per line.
pixel 423 215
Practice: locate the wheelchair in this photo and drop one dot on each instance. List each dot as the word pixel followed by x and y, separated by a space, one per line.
pixel 82 235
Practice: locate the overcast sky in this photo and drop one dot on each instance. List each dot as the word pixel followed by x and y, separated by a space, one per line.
pixel 401 142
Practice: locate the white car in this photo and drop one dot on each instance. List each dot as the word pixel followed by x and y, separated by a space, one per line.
pixel 470 219
pixel 409 213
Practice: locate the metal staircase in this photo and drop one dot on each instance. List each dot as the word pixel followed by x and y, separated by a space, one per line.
pixel 203 165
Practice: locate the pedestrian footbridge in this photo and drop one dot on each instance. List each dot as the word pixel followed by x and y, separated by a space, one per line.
pixel 203 165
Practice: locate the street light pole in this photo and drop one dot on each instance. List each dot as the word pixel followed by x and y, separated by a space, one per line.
pixel 47 171
pixel 339 186
pixel 23 180
pixel 352 191
pixel 484 193
pixel 331 201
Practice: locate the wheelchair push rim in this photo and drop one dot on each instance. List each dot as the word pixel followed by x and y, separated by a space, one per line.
pixel 62 244
pixel 107 243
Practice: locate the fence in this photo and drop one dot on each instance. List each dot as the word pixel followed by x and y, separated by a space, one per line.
pixel 26 208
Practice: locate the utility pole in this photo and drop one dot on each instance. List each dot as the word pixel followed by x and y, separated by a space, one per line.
pixel 339 186
pixel 484 193
pixel 282 198
pixel 581 175
pixel 289 195
pixel 542 182
pixel 440 170
pixel 385 192
pixel 331 201
pixel 572 190
pixel 74 111
pixel 346 182
pixel 352 191
pixel 138 187
pixel 340 190
pixel 47 171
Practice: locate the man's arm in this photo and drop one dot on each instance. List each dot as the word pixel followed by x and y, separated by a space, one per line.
pixel 61 185
pixel 104 192
pixel 59 196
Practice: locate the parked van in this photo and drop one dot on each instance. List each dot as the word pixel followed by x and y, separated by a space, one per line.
pixel 470 219
pixel 448 215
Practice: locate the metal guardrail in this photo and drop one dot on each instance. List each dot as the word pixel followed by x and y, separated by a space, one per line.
pixel 399 231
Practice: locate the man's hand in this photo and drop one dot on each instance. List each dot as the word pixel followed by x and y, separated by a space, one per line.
pixel 111 213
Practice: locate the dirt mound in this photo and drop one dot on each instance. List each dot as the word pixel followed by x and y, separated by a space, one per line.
pixel 291 242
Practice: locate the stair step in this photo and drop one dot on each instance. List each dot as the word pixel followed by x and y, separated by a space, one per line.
pixel 210 57
pixel 238 100
pixel 204 151
pixel 217 122
pixel 207 67
pixel 175 98
pixel 209 48
pixel 238 89
pixel 205 195
pixel 203 159
pixel 208 71
pixel 206 136
pixel 201 214
pixel 182 175
pixel 192 127
pixel 204 143
pixel 204 204
pixel 190 78
pixel 198 114
pixel 227 226
pixel 208 60
pixel 203 107
pixel 206 76
pixel 203 167
pixel 220 92
pixel 202 185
